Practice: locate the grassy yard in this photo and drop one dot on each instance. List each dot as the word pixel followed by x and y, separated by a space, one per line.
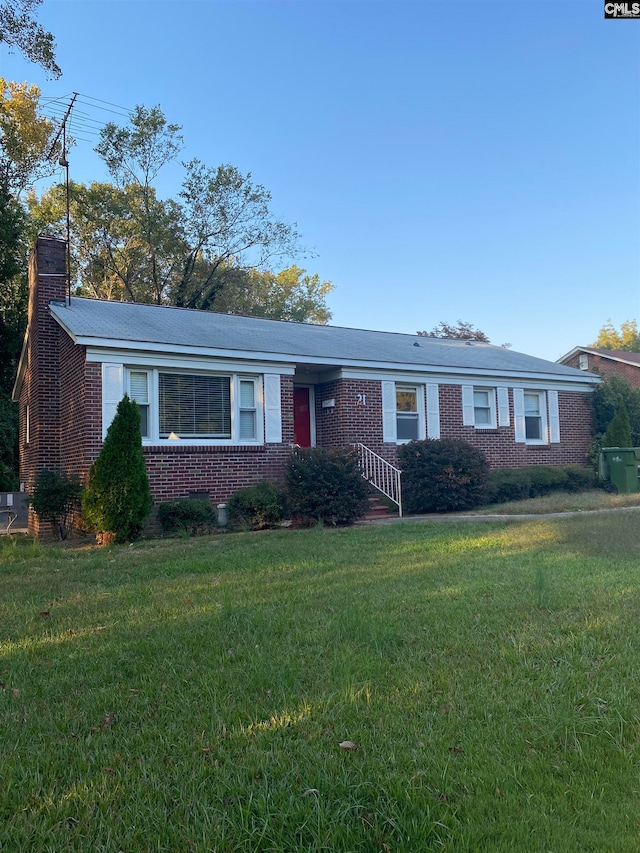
pixel 483 679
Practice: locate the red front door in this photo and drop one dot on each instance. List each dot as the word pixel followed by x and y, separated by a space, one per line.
pixel 301 417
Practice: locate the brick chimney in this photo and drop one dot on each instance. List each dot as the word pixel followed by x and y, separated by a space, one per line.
pixel 39 401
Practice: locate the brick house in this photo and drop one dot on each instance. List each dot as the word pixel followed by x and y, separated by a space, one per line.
pixel 223 398
pixel 605 363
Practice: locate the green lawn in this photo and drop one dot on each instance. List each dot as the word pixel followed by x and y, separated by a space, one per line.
pixel 192 695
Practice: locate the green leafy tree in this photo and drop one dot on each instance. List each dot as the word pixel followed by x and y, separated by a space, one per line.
pixel 461 330
pixel 13 315
pixel 25 138
pixel 626 338
pixel 607 399
pixel 112 231
pixel 118 498
pixel 291 294
pixel 212 247
pixel 19 29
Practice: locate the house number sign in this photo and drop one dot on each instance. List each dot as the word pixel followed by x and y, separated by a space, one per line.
pixel 361 399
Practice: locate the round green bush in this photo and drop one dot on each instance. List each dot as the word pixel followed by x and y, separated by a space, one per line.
pixel 258 507
pixel 326 486
pixel 186 515
pixel 442 475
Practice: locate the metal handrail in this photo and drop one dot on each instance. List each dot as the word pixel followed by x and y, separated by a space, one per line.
pixel 382 475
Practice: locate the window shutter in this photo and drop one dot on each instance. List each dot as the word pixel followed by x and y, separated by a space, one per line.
pixel 468 417
pixel 112 393
pixel 554 417
pixel 389 426
pixel 433 412
pixel 272 408
pixel 503 407
pixel 518 414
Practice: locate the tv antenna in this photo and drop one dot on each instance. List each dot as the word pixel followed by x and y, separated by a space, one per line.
pixel 64 161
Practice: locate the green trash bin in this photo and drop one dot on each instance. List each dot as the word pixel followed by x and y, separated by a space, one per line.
pixel 619 465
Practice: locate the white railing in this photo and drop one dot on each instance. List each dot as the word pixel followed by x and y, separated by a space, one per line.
pixel 381 474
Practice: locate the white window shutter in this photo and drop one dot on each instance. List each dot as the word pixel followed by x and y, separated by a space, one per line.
pixel 503 407
pixel 554 417
pixel 518 414
pixel 272 408
pixel 112 393
pixel 433 412
pixel 468 415
pixel 389 429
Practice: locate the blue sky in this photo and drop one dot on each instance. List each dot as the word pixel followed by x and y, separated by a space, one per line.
pixel 445 160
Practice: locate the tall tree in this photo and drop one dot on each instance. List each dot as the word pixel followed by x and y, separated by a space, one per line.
pixel 628 338
pixel 126 244
pixel 19 29
pixel 25 138
pixel 13 314
pixel 291 294
pixel 212 247
pixel 228 221
pixel 461 330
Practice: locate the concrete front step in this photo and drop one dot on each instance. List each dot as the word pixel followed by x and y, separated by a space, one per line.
pixel 378 509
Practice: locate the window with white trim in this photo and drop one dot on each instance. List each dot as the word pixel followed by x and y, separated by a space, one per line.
pixel 534 419
pixel 139 393
pixel 537 416
pixel 247 410
pixel 197 407
pixel 479 407
pixel 407 413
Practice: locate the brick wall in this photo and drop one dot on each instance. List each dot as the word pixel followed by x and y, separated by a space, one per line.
pixel 499 445
pixel 356 416
pixel 606 367
pixel 350 421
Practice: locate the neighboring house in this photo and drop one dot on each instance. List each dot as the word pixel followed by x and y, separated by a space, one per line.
pixel 223 398
pixel 605 363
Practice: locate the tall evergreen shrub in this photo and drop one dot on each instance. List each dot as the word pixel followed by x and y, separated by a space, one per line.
pixel 118 498
pixel 618 432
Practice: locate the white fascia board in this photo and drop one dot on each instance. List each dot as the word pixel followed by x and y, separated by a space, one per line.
pixel 193 362
pixel 22 369
pixel 462 377
pixel 570 354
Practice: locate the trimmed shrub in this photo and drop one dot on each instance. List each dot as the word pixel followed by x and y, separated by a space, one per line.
pixel 581 479
pixel 515 484
pixel 118 499
pixel 55 498
pixel 258 507
pixel 442 475
pixel 546 479
pixel 190 516
pixel 325 486
pixel 508 484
